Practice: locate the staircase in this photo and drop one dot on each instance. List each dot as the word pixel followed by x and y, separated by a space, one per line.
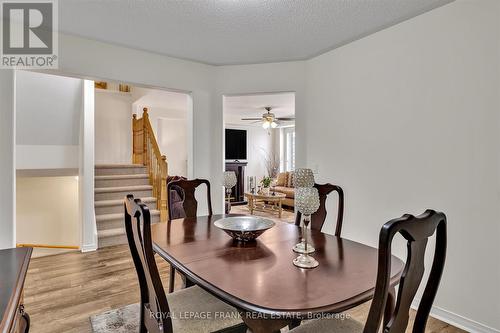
pixel 112 183
pixel 146 179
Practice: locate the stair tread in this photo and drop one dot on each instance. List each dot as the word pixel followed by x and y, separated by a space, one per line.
pixel 106 203
pixel 122 188
pixel 115 216
pixel 111 232
pixel 110 166
pixel 126 176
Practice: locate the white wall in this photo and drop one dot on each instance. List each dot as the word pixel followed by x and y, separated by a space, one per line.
pixel 47 210
pixel 172 139
pixel 46 157
pixel 113 127
pixel 7 160
pixel 408 119
pixel 48 111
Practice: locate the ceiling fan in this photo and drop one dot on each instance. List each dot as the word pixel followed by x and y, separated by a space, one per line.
pixel 269 119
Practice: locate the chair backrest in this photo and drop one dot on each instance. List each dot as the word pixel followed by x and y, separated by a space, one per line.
pixel 154 310
pixel 416 231
pixel 190 204
pixel 318 218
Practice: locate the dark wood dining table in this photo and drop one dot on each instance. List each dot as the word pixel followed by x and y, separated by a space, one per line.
pixel 259 278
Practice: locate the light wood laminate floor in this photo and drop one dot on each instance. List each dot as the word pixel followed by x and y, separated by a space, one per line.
pixel 62 291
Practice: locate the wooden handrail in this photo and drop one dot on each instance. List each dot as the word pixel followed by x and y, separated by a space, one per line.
pixel 145 151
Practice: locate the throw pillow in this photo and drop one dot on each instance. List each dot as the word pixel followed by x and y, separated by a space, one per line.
pixel 282 179
pixel 175 178
pixel 290 179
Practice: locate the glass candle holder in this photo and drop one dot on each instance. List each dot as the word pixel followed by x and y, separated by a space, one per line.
pixel 307 203
pixel 253 184
pixel 229 182
pixel 301 247
pixel 303 178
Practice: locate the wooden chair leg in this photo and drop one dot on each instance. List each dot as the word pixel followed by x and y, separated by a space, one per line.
pixel 27 321
pixel 171 283
pixel 142 325
pixel 294 323
pixel 389 307
pixel 188 283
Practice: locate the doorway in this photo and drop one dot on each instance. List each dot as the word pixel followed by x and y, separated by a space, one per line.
pixel 259 145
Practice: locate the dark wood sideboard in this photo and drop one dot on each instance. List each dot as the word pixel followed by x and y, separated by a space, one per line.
pixel 238 192
pixel 14 266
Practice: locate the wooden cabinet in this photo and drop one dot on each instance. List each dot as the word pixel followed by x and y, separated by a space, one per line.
pixel 14 263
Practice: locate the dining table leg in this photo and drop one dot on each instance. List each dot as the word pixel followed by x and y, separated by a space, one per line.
pixel 257 324
pixel 186 283
pixel 171 280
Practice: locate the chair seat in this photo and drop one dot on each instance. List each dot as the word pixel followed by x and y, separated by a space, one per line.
pixel 194 310
pixel 329 325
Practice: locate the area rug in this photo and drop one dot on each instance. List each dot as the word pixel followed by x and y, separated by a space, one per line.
pixel 122 320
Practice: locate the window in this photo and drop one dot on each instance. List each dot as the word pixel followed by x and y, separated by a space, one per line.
pixel 289 148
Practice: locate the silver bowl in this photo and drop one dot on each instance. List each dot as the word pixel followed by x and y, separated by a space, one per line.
pixel 244 228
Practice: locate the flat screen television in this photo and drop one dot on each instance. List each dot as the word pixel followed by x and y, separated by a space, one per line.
pixel 236 144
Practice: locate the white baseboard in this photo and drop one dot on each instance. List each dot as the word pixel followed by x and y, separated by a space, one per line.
pixel 89 247
pixel 457 320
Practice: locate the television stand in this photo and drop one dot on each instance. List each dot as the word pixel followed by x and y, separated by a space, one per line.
pixel 238 191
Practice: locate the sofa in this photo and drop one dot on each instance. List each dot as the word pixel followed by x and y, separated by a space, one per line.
pixel 284 184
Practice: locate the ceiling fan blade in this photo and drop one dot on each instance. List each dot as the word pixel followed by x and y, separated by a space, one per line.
pixel 285 119
pixel 251 118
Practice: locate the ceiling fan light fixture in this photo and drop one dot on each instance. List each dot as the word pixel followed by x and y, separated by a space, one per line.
pixel 265 124
pixel 274 124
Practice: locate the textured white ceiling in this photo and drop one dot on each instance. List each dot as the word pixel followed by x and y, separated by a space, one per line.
pixel 223 32
pixel 156 98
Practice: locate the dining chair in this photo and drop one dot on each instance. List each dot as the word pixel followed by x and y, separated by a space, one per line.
pixel 416 230
pixel 190 206
pixel 188 188
pixel 161 312
pixel 318 218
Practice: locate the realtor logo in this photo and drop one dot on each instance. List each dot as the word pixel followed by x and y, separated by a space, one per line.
pixel 29 34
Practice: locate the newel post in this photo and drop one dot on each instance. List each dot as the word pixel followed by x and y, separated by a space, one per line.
pixel 163 189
